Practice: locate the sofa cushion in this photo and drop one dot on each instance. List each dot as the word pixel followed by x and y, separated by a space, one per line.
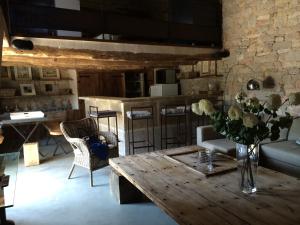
pixel 285 151
pixel 294 133
pixel 222 145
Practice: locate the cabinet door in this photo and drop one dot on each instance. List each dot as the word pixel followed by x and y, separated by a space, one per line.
pixel 88 84
pixel 115 85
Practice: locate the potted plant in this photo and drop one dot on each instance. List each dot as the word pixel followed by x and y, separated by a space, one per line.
pixel 248 122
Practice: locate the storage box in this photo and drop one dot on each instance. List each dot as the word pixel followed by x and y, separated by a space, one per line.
pixel 31 154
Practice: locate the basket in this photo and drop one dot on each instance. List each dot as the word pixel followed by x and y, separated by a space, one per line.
pixel 8 92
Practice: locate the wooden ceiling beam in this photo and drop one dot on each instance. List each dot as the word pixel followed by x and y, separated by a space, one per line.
pixel 4 37
pixel 113 46
pixel 103 55
pixel 4 29
pixel 84 64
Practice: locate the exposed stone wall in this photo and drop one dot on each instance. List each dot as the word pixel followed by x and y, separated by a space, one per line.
pixel 263 36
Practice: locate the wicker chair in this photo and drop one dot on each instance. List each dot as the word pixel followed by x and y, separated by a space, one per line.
pixel 74 131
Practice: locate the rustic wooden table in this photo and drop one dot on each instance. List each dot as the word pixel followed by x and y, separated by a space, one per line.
pixel 192 198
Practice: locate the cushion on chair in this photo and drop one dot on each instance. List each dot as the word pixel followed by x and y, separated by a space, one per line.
pixel 138 114
pixel 179 110
pixel 103 113
pixel 284 151
pixel 53 128
pixel 97 147
pixel 222 145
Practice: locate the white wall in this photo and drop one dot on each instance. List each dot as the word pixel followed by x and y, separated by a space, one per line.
pixel 68 4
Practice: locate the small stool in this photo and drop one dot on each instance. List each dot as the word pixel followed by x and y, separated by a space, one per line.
pixel 31 154
pixel 54 131
pixel 177 112
pixel 96 114
pixel 140 114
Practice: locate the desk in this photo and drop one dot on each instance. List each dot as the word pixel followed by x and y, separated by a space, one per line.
pixel 8 166
pixel 14 124
pixel 191 198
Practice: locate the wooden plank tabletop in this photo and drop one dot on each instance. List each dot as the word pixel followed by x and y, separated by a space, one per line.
pixel 191 198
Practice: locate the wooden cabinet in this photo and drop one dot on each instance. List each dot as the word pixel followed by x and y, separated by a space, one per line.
pixel 88 84
pixel 94 83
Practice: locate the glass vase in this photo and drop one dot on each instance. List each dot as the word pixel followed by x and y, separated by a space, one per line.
pixel 247 159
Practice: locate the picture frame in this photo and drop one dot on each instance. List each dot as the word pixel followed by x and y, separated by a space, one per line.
pixel 49 74
pixel 27 89
pixel 5 73
pixel 22 73
pixel 49 88
pixel 205 67
pixel 213 69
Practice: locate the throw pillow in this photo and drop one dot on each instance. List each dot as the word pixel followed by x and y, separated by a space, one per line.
pixel 97 147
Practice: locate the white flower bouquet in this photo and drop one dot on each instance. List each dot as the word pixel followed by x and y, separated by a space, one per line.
pixel 249 122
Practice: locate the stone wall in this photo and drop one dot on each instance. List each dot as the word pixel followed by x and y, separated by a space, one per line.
pixel 263 37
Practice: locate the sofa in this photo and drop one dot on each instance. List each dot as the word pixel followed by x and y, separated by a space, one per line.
pixel 208 138
pixel 282 155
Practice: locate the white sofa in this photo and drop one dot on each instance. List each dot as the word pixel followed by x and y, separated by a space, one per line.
pixel 282 155
pixel 208 138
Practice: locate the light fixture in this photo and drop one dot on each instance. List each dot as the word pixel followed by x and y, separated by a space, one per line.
pixel 21 44
pixel 253 85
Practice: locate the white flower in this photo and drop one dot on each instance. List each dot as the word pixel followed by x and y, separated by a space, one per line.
pixel 206 106
pixel 240 97
pixel 196 110
pixel 274 102
pixel 235 113
pixel 250 120
pixel 253 102
pixel 294 98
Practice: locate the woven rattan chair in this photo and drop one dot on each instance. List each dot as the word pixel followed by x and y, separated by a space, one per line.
pixel 74 131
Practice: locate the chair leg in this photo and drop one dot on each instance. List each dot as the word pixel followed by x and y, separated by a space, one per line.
pixel 71 171
pixel 91 178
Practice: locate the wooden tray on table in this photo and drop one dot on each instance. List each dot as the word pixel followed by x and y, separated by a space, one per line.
pixel 221 163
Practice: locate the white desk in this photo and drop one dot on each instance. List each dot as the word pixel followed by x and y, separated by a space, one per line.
pixel 14 124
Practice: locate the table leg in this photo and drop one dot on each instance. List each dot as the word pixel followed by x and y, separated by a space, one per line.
pixel 28 136
pixel 3 220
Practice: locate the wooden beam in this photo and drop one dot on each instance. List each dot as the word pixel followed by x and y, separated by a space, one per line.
pixel 84 63
pixel 4 30
pixel 103 55
pixel 113 46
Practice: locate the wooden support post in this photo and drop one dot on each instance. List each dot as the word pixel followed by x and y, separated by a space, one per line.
pixel 1 34
pixel 123 190
pixel 4 37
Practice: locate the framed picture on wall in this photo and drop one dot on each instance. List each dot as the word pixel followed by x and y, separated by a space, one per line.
pixel 205 68
pixel 50 74
pixel 213 69
pixel 27 89
pixel 23 73
pixel 5 73
pixel 49 88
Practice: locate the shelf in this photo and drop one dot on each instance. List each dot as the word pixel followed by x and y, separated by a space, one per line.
pixel 203 76
pixel 34 96
pixel 44 80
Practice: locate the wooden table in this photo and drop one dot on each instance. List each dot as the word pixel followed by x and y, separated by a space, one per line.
pixel 191 198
